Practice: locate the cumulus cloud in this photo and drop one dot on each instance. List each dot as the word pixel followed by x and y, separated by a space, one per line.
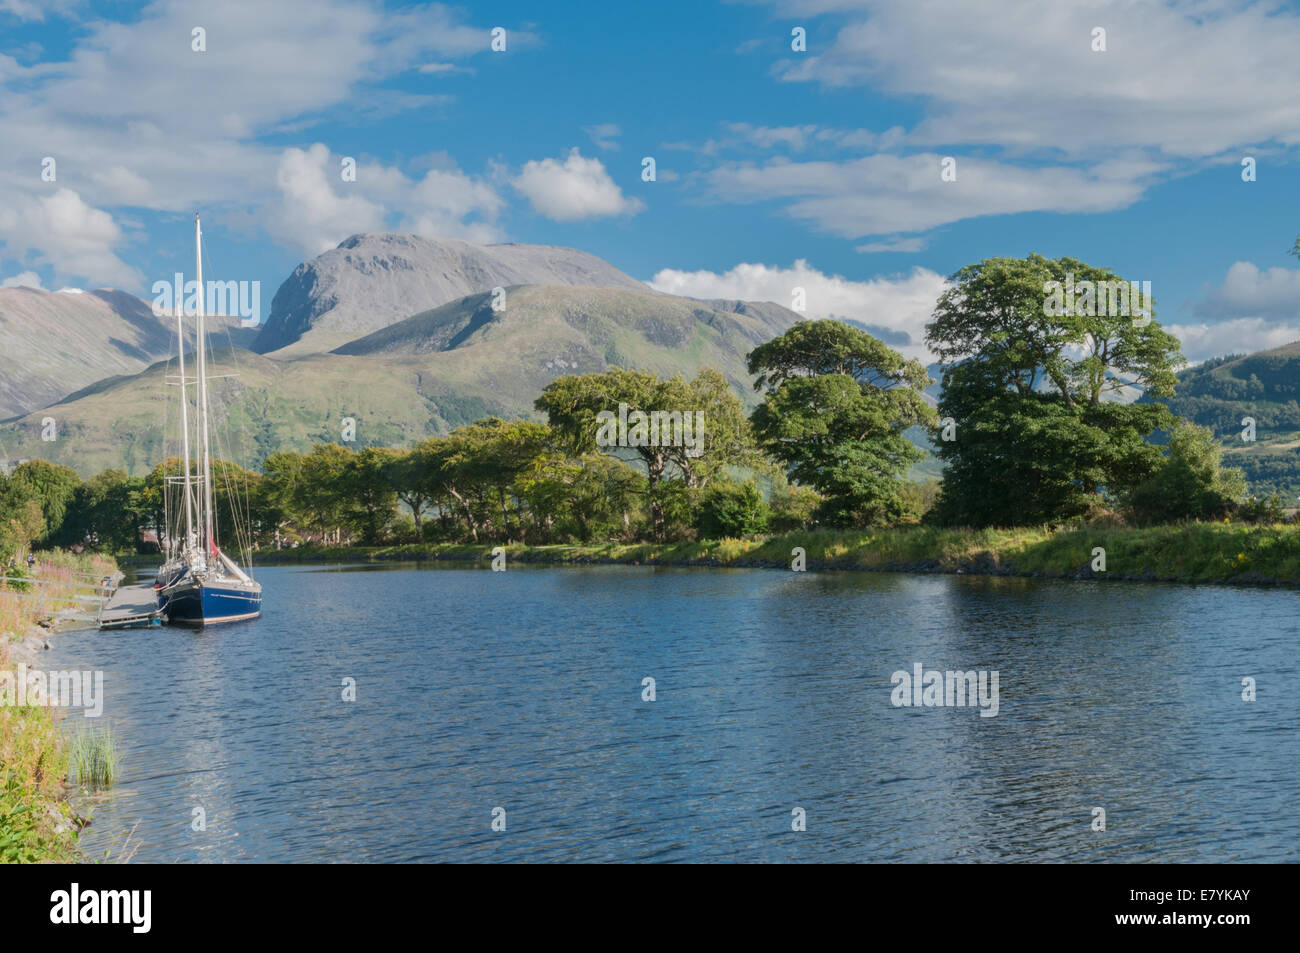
pixel 1237 336
pixel 312 214
pixel 574 189
pixel 1252 310
pixel 60 229
pixel 1248 291
pixel 154 125
pixel 1182 79
pixel 897 308
pixel 317 209
pixel 26 279
pixel 884 194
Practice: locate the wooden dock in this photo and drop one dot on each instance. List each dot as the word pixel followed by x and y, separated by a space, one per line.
pixel 131 607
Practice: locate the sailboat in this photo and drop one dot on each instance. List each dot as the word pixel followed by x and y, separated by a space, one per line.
pixel 199 584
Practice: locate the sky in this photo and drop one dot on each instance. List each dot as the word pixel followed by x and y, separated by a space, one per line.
pixel 775 167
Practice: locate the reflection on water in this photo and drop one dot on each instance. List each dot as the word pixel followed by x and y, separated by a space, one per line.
pixel 522 690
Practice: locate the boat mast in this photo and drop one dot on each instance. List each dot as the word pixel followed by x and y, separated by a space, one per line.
pixel 185 426
pixel 208 542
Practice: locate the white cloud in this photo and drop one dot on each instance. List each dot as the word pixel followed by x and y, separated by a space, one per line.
pixel 1238 336
pixel 898 307
pixel 604 136
pixel 1252 310
pixel 26 279
pixel 142 120
pixel 439 69
pixel 60 229
pixel 1248 292
pixel 318 209
pixel 574 189
pixel 799 138
pixel 909 245
pixel 1183 79
pixel 312 215
pixel 884 194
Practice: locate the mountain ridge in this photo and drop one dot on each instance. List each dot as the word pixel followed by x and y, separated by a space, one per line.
pixel 373 279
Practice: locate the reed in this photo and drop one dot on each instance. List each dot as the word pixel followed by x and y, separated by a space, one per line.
pixel 93 759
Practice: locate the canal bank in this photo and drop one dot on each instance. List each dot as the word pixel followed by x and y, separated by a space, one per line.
pixel 37 823
pixel 1219 553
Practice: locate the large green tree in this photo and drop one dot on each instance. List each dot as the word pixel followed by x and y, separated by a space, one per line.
pixel 51 485
pixel 836 405
pixel 578 409
pixel 1042 358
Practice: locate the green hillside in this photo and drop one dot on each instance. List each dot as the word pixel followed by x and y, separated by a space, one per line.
pixel 425 375
pixel 1266 386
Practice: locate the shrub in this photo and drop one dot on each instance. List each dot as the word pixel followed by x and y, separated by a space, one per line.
pixel 730 509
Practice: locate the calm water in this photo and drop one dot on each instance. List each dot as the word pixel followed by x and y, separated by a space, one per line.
pixel 522 690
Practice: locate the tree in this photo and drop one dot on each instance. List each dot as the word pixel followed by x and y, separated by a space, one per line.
pixel 276 496
pixel 20 525
pixel 51 485
pixel 414 476
pixel 638 405
pixel 1191 484
pixel 106 512
pixel 837 402
pixel 478 465
pixel 582 497
pixel 1034 389
pixel 320 491
pixel 372 498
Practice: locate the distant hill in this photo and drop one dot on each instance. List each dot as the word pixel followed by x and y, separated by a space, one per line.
pixel 373 280
pixel 53 343
pixel 427 374
pixel 1266 386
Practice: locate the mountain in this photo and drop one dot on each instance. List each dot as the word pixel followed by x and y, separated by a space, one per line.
pixel 426 374
pixel 1265 386
pixel 53 343
pixel 373 280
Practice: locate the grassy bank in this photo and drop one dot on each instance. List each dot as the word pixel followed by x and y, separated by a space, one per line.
pixel 1192 552
pixel 36 824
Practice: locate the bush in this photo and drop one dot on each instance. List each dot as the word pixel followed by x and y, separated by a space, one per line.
pixel 732 510
pixel 792 506
pixel 1191 485
pixel 1262 510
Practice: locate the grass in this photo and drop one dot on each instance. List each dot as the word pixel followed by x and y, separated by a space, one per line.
pixel 36 823
pixel 1188 552
pixel 93 759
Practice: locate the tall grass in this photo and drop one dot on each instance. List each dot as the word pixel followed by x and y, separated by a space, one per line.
pixel 36 823
pixel 93 759
pixel 1186 552
pixel 64 575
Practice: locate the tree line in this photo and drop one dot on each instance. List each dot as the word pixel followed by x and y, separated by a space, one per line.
pixel 1035 424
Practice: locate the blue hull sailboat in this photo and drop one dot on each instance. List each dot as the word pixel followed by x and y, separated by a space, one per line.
pixel 199 584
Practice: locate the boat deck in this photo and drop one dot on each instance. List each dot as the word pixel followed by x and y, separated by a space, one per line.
pixel 131 607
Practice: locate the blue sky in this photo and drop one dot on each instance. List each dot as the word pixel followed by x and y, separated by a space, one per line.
pixel 775 167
